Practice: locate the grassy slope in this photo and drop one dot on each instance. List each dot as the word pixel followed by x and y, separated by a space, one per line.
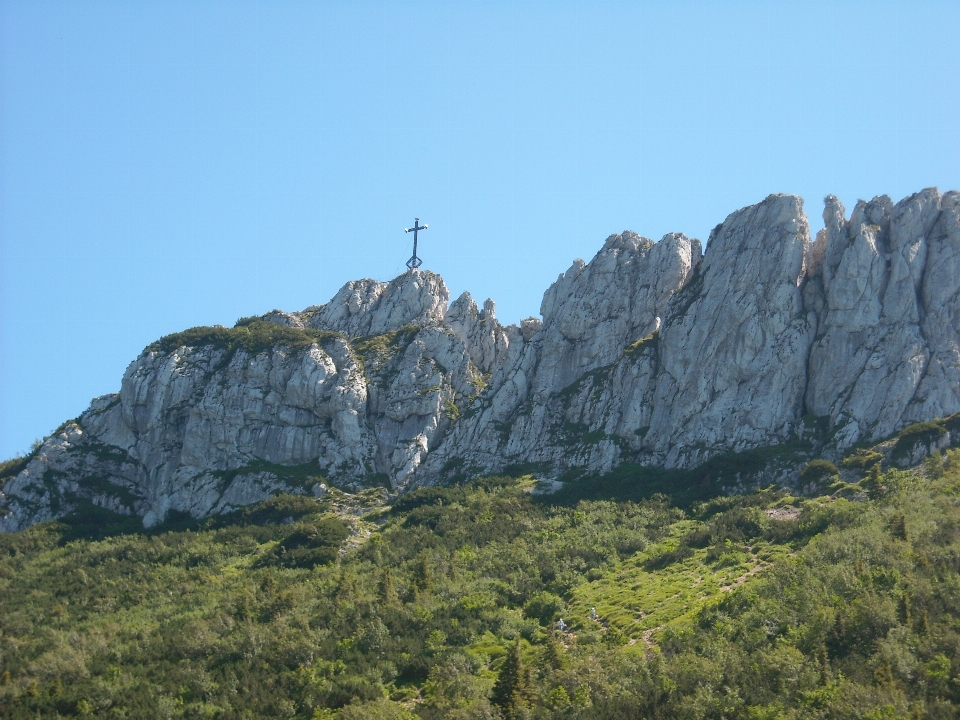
pixel 708 609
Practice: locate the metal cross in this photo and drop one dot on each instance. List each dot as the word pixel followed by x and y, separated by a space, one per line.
pixel 414 262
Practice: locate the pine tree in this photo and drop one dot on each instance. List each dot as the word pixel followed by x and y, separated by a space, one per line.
pixel 824 662
pixel 884 674
pixel 553 656
pixel 423 574
pixel 874 483
pixel 387 593
pixel 904 609
pixel 898 526
pixel 511 693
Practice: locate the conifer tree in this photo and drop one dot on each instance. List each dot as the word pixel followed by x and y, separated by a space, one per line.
pixel 553 656
pixel 387 593
pixel 884 674
pixel 904 610
pixel 898 526
pixel 511 693
pixel 874 483
pixel 824 661
pixel 423 574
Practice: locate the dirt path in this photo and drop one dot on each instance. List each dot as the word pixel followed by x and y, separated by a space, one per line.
pixel 758 566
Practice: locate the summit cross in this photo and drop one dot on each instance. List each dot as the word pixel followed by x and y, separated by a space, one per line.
pixel 414 262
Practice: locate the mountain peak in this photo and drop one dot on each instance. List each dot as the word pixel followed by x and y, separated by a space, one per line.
pixel 651 353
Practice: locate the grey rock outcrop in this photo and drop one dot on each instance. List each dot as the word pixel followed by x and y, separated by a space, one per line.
pixel 653 353
pixel 206 428
pixel 733 352
pixel 886 351
pixel 538 404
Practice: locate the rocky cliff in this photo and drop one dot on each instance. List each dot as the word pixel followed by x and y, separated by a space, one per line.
pixel 653 353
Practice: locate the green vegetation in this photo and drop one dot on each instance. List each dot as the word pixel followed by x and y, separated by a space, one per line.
pixel 296 477
pixel 817 470
pixel 450 409
pixel 444 604
pixel 250 334
pixel 638 345
pixel 374 353
pixel 861 459
pixel 923 432
pixel 9 468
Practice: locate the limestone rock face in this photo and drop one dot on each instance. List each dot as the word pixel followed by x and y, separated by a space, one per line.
pixel 593 311
pixel 734 347
pixel 368 307
pixel 939 391
pixel 207 429
pixel 486 341
pixel 888 302
pixel 652 353
pixel 538 403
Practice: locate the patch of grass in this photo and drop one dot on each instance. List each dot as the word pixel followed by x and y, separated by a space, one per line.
pixel 450 410
pixel 667 584
pixel 638 346
pixel 375 352
pixel 817 470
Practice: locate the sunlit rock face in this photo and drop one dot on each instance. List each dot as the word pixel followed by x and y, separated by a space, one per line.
pixel 653 352
pixel 886 351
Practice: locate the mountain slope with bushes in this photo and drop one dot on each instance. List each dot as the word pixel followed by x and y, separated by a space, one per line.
pixel 678 601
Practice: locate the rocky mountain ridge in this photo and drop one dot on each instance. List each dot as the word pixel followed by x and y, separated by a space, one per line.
pixel 652 353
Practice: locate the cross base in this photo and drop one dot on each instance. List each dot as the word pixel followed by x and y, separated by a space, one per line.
pixel 414 262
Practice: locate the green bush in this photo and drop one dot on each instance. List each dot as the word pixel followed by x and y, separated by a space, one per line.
pixel 253 336
pixel 861 459
pixel 544 607
pixel 665 559
pixel 816 470
pixel 10 468
pixel 311 544
pixel 922 432
pixel 848 610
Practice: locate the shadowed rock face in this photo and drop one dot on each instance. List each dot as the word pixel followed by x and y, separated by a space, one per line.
pixel 651 352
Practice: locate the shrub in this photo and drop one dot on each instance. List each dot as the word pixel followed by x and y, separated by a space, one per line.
pixel 310 545
pixel 545 607
pixel 665 559
pixel 816 470
pixel 922 432
pixel 861 459
pixel 254 336
pixel 10 468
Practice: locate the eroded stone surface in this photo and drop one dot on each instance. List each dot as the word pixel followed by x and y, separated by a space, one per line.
pixel 652 352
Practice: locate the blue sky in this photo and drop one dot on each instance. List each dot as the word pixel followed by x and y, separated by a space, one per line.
pixel 166 165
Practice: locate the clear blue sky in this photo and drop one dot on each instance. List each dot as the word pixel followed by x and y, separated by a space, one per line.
pixel 168 164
